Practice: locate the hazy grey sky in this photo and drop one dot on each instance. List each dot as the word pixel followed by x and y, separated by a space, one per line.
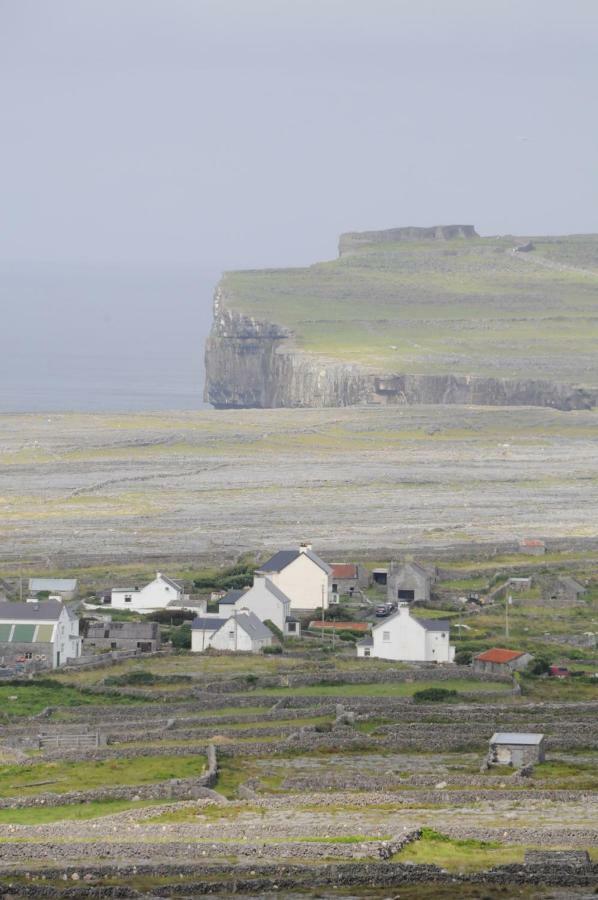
pixel 228 133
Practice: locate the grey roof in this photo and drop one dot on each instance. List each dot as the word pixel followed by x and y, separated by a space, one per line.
pixel 52 584
pixel 571 584
pixel 172 583
pixel 231 597
pixel 283 558
pixel 434 624
pixel 250 623
pixel 31 612
pixel 366 642
pixel 207 623
pixel 516 737
pixel 428 624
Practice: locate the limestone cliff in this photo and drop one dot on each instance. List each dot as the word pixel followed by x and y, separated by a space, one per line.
pixel 352 240
pixel 251 364
pixel 400 304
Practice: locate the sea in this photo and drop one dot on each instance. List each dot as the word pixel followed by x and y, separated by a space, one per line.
pixel 103 337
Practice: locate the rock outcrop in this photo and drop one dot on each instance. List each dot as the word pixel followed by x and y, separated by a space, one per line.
pixel 352 240
pixel 250 363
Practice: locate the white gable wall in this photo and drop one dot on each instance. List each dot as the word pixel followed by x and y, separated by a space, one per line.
pixel 155 595
pixel 260 601
pixel 231 636
pixel 402 638
pixel 304 582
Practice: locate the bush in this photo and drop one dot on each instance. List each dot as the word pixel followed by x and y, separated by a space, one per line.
pixel 274 648
pixel 434 695
pixel 171 617
pixel 538 666
pixel 463 657
pixel 181 637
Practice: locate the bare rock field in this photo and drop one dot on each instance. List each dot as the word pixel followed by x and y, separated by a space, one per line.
pixel 75 489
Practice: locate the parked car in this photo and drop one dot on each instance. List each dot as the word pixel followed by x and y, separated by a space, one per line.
pixel 382 610
pixel 559 672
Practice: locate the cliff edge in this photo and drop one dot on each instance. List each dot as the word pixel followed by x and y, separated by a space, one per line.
pixel 410 315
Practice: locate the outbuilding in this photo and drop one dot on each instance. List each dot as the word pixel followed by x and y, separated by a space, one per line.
pixel 516 748
pixel 500 661
pixel 65 588
pixel 407 583
pixel 142 636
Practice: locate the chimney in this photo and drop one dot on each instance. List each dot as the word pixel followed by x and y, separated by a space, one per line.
pixel 404 609
pixel 304 546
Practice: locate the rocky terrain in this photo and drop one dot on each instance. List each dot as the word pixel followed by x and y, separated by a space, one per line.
pixel 210 485
pixel 412 315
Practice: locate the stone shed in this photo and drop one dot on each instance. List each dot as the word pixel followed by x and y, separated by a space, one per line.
pixel 516 749
pixel 408 582
pixel 143 636
pixel 500 661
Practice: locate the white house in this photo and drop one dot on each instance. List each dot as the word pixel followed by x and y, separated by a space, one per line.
pixel 241 632
pixel 38 634
pixel 266 601
pixel 158 594
pixel 405 638
pixel 302 576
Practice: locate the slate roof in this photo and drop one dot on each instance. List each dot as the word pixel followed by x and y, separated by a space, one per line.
pixel 52 584
pixel 517 738
pixel 283 558
pixel 250 623
pixel 49 610
pixel 499 655
pixel 231 597
pixel 434 624
pixel 169 581
pixel 366 642
pixel 207 623
pixel 428 624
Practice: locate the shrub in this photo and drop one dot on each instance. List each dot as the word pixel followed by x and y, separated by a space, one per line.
pixel 434 695
pixel 181 637
pixel 274 648
pixel 463 657
pixel 538 666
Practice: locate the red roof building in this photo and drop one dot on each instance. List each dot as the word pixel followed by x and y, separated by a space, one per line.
pixel 344 571
pixel 498 661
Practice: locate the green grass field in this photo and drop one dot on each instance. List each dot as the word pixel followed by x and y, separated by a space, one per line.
pixel 61 777
pixel 464 306
pixel 392 689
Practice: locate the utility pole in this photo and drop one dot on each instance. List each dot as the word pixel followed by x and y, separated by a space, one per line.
pixel 508 601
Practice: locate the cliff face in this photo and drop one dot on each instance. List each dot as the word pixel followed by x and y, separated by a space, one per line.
pixel 249 363
pixel 352 240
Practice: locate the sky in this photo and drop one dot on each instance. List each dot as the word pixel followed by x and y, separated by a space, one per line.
pixel 200 135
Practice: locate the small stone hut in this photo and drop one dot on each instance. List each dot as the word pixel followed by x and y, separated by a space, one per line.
pixel 516 749
pixel 408 582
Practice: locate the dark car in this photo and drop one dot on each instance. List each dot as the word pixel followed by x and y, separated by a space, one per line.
pixel 382 610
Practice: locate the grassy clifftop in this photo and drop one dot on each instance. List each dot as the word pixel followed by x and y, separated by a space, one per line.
pixel 464 306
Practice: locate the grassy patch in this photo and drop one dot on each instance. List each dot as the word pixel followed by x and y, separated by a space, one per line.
pixel 396 689
pixel 72 812
pixel 30 698
pixel 60 777
pixel 459 855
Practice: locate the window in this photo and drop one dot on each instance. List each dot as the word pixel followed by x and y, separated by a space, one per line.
pixel 335 588
pixel 367 652
pixel 291 626
pixel 386 635
pixel 113 645
pixel 127 598
pixel 28 655
pixel 443 635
